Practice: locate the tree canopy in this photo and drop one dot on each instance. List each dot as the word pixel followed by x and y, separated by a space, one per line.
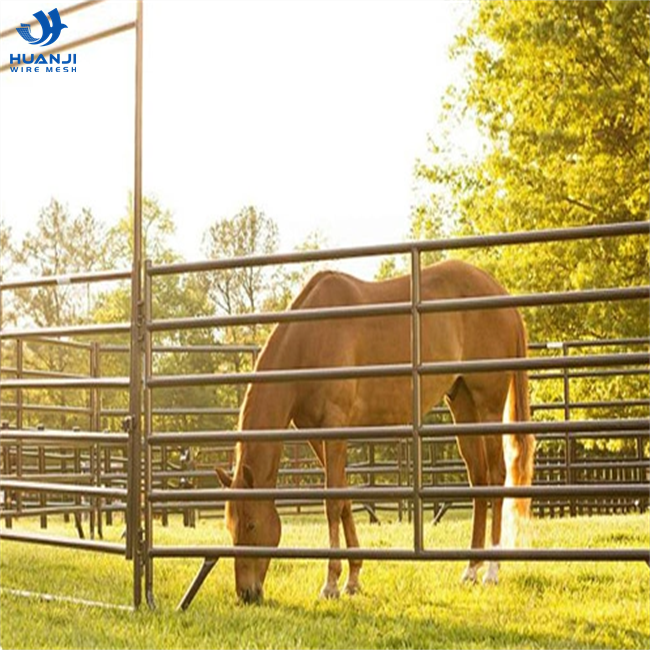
pixel 62 244
pixel 559 95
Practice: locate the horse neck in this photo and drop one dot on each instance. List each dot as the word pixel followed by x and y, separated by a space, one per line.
pixel 266 406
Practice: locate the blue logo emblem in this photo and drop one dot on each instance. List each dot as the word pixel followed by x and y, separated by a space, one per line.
pixel 49 31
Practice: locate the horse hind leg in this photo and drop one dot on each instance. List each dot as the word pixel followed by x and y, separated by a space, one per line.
pixel 497 477
pixel 490 398
pixel 472 449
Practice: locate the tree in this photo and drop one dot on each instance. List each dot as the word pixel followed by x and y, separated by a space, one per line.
pixel 5 248
pixel 173 296
pixel 249 232
pixel 559 93
pixel 289 279
pixel 60 245
pixel 158 229
pixel 248 289
pixel 426 223
pixel 244 289
pixel 6 263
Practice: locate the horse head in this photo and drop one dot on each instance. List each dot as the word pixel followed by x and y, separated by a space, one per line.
pixel 251 523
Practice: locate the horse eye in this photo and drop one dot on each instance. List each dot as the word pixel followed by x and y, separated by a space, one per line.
pixel 250 526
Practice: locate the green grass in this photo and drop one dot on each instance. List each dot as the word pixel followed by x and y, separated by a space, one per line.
pixel 403 605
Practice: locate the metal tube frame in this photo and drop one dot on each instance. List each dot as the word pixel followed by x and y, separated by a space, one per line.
pixel 132 548
pixel 139 546
pixel 416 494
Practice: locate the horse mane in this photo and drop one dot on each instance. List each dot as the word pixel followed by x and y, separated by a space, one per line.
pixel 274 338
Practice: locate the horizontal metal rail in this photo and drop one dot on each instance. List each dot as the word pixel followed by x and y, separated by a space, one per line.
pixel 602 404
pixel 44 374
pixel 57 436
pixel 168 412
pixel 591 374
pixel 404 308
pixel 638 425
pixel 310 494
pixel 576 427
pixel 201 349
pixel 535 299
pixel 285 435
pixel 71 330
pixel 500 365
pixel 64 280
pixel 70 542
pixel 62 488
pixel 397 554
pixel 85 382
pixel 600 343
pixel 538 491
pixel 481 241
pixel 401 370
pixel 343 372
pixel 63 508
pixel 617 465
pixel 46 408
pixel 297 315
pixel 82 478
pixel 392 493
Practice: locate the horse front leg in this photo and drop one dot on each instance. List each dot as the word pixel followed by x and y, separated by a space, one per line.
pixel 334 566
pixel 352 586
pixel 339 511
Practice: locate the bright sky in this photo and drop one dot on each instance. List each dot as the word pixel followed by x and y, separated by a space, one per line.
pixel 314 112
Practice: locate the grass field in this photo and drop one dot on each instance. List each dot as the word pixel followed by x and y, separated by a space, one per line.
pixel 403 605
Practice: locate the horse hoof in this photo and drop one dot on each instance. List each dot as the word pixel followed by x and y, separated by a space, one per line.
pixel 329 592
pixel 352 589
pixel 470 576
pixel 492 575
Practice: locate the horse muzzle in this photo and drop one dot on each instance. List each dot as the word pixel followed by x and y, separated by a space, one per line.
pixel 251 595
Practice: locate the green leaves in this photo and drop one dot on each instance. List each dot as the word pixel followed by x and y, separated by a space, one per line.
pixel 559 91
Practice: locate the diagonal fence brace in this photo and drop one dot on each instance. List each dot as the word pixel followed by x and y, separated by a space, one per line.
pixel 199 579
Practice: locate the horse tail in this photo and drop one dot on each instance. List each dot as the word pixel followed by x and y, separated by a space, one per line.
pixel 519 448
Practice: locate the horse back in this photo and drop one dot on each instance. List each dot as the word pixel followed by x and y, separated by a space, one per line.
pixel 380 340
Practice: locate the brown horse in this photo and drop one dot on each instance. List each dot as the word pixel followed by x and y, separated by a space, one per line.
pixel 455 336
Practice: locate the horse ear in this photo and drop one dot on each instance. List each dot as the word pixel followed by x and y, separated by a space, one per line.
pixel 224 478
pixel 248 476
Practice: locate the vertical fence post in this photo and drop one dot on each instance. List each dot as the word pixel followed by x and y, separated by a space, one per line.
pixel 95 454
pixel 42 470
pixel 95 396
pixel 569 447
pixel 134 498
pixel 148 429
pixel 400 462
pixel 19 419
pixel 20 361
pixel 8 499
pixel 418 536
